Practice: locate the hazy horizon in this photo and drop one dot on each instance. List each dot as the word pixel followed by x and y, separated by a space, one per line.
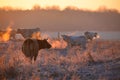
pixel 66 20
pixel 61 15
pixel 81 4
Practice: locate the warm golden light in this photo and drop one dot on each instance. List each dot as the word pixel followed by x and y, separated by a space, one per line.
pixel 36 35
pixel 57 43
pixel 6 36
pixel 82 4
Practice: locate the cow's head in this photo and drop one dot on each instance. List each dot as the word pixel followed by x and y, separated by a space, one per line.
pixel 65 37
pixel 91 35
pixel 44 44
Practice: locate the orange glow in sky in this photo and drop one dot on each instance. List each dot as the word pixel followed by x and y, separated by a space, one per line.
pixel 84 4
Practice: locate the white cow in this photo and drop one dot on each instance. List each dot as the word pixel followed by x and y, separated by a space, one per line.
pixel 80 40
pixel 19 37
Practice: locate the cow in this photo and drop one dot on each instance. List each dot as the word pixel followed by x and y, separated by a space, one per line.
pixel 80 40
pixel 27 33
pixel 31 47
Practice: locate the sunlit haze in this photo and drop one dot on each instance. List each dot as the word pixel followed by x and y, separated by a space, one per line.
pixel 82 4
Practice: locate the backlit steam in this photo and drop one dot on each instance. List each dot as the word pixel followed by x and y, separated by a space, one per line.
pixel 6 35
pixel 36 35
pixel 57 43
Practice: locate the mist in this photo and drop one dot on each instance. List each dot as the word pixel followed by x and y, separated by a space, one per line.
pixel 69 19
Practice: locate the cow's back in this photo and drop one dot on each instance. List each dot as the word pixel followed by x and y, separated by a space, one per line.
pixel 76 41
pixel 27 33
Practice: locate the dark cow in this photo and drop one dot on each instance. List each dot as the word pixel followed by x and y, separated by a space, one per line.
pixel 31 47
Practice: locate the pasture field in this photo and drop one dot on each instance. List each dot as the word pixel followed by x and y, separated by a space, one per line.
pixel 101 61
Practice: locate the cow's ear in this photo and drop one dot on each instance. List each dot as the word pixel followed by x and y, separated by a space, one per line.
pixel 85 33
pixel 46 39
pixel 96 33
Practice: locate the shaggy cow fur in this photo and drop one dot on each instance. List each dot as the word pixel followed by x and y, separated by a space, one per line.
pixel 31 47
pixel 80 40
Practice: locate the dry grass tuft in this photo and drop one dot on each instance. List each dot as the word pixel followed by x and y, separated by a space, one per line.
pixel 95 63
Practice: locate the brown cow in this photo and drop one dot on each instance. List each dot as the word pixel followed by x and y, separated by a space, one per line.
pixel 31 47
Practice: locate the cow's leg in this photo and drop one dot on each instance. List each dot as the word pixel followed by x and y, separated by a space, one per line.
pixel 83 46
pixel 31 59
pixel 35 56
pixel 68 46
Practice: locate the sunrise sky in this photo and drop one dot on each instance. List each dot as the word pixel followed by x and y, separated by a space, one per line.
pixel 84 4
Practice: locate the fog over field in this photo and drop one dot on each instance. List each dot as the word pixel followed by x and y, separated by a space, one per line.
pixel 66 20
pixel 73 58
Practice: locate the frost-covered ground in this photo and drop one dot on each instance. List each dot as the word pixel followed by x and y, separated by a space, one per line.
pixel 111 35
pixel 101 61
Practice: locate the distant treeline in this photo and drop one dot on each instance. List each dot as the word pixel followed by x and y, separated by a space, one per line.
pixel 69 19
